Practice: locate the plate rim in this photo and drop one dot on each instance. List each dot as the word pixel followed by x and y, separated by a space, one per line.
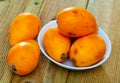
pixel 54 24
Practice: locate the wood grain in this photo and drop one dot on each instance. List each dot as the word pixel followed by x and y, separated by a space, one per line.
pixel 107 14
pixel 50 8
pixel 7 13
pixel 8 10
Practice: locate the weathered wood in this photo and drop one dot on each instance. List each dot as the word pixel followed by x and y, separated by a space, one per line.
pixel 107 14
pixel 8 10
pixel 50 8
pixel 34 6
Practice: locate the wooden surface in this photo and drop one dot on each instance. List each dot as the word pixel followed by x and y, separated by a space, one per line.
pixel 107 14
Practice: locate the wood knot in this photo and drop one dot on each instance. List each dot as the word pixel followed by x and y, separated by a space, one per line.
pixel 53 18
pixel 27 82
pixel 36 3
pixel 2 0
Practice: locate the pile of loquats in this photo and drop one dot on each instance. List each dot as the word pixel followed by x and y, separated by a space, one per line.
pixel 75 37
pixel 24 53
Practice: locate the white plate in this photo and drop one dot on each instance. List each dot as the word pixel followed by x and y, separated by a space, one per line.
pixel 68 64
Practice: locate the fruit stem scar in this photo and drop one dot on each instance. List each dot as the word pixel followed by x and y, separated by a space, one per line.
pixel 73 60
pixel 13 68
pixel 64 56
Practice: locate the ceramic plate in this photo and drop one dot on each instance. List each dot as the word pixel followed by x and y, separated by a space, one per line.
pixel 68 64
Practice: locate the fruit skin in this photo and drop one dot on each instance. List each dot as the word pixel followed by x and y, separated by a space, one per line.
pixel 76 22
pixel 23 57
pixel 25 26
pixel 87 50
pixel 57 46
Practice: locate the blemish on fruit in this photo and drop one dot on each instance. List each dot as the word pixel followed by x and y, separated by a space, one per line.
pixel 82 62
pixel 63 57
pixel 97 57
pixel 73 60
pixel 71 34
pixel 75 51
pixel 75 12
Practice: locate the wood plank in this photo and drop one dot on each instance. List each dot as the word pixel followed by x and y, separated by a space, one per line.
pixel 34 6
pixel 107 14
pixel 8 10
pixel 48 72
pixel 50 8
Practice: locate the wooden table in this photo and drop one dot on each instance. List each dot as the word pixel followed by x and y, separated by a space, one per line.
pixel 107 14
